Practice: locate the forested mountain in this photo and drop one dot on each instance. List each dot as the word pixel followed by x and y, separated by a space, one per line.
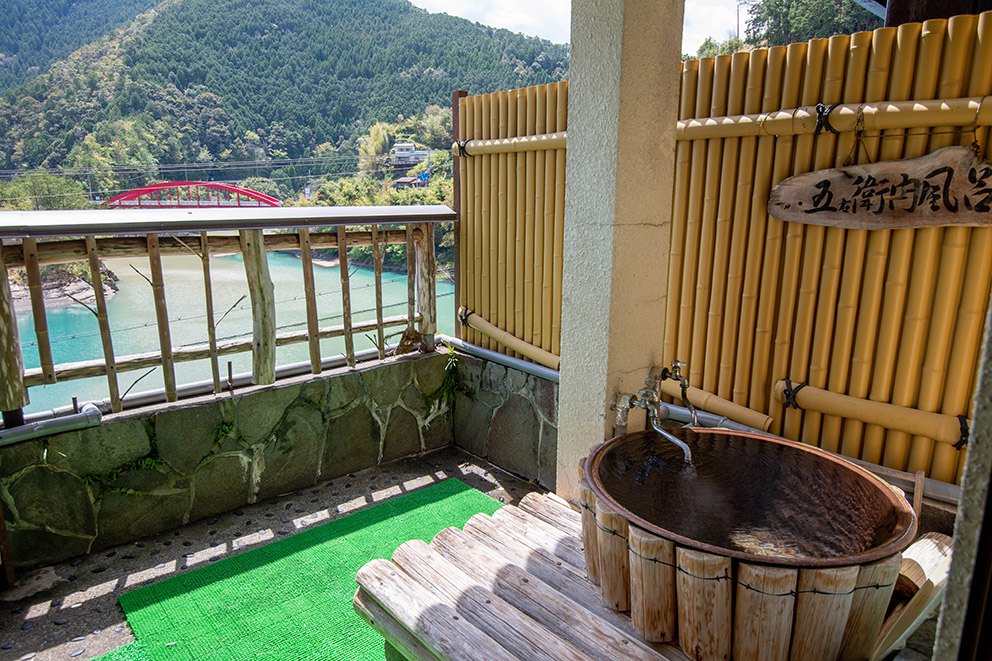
pixel 35 33
pixel 215 80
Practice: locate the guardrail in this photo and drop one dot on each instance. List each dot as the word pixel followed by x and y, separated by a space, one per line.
pixel 34 238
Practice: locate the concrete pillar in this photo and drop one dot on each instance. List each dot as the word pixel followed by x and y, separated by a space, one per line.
pixel 622 109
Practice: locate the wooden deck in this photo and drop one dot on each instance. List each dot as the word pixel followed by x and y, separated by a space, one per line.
pixel 509 586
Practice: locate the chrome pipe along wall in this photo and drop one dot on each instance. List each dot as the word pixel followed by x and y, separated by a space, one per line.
pixel 89 416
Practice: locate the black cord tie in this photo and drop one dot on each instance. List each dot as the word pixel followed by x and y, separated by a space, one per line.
pixel 462 144
pixel 823 118
pixel 463 316
pixel 963 441
pixel 790 395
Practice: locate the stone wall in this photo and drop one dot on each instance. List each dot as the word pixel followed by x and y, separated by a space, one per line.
pixel 155 469
pixel 508 417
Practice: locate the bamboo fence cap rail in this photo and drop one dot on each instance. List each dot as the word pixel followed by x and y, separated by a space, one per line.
pixel 521 143
pixel 870 117
pixel 79 222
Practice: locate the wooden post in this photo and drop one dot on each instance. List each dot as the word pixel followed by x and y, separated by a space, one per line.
pixel 349 342
pixel 310 292
pixel 614 568
pixel 704 591
pixel 589 544
pixel 652 586
pixel 13 394
pixel 411 270
pixel 104 324
pixel 766 599
pixel 377 268
pixel 162 318
pixel 208 293
pixel 456 187
pixel 822 607
pixel 426 272
pixel 32 269
pixel 263 307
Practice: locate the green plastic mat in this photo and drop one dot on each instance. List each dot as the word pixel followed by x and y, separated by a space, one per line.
pixel 290 599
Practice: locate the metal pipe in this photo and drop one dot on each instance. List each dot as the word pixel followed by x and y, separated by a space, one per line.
pixel 534 369
pixel 89 416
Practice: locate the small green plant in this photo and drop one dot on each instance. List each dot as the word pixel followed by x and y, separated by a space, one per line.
pixel 445 393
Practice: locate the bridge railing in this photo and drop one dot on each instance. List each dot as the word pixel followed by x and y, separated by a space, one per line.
pixel 32 239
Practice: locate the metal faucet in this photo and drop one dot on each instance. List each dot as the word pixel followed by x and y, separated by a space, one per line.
pixel 676 375
pixel 647 398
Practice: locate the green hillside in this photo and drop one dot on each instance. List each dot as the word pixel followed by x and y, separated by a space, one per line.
pixel 236 80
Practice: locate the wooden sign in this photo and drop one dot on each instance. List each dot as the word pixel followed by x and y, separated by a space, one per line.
pixel 951 186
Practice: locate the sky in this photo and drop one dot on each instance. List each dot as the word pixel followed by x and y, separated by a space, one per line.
pixel 549 19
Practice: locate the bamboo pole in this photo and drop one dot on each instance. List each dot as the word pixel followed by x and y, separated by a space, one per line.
pixel 501 213
pixel 652 586
pixel 487 193
pixel 459 196
pixel 614 567
pixel 208 294
pixel 540 161
pixel 873 590
pixel 520 236
pixel 694 215
pixel 773 230
pixel 851 365
pixel 683 166
pixel 590 547
pixel 13 393
pixel 493 218
pixel 840 256
pixel 916 114
pixel 763 612
pixel 715 158
pixel 704 588
pixel 974 295
pixel 263 307
pixel 310 292
pixel 466 210
pixel 91 368
pixel 101 318
pixel 954 251
pixel 558 253
pixel 500 337
pixel 426 272
pixel 944 428
pixel 512 258
pixel 925 271
pixel 513 144
pixel 724 223
pixel 707 401
pixel 738 230
pixel 32 270
pixel 550 196
pixel 380 343
pixel 162 318
pixel 529 220
pixel 349 342
pixel 475 301
pixel 822 608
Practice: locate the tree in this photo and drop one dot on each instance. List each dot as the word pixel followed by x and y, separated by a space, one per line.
pixel 783 22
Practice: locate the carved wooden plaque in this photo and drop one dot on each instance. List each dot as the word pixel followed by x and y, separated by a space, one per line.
pixel 951 186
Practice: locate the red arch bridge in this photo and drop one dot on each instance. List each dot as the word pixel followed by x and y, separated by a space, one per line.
pixel 191 194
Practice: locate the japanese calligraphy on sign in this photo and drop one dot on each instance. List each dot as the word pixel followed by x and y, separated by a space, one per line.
pixel 951 186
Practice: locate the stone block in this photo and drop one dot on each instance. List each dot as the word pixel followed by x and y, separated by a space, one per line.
pixel 315 391
pixel 53 499
pixel 145 480
pixel 439 433
pixel 469 373
pixel 291 459
pixel 413 400
pixel 493 378
pixel 15 458
pixel 385 382
pixel 429 371
pixel 259 413
pixel 402 435
pixel 220 485
pixel 471 420
pixel 352 443
pixel 126 517
pixel 34 548
pixel 544 394
pixel 513 437
pixel 490 398
pixel 516 380
pixel 547 469
pixel 101 449
pixel 343 391
pixel 185 436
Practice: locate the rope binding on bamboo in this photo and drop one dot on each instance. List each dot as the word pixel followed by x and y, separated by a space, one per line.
pixel 463 147
pixel 790 395
pixel 823 118
pixel 963 441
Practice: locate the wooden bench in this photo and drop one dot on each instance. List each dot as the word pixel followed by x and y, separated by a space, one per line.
pixel 510 586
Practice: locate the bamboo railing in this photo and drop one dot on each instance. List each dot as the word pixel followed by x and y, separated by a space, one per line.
pixel 159 233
